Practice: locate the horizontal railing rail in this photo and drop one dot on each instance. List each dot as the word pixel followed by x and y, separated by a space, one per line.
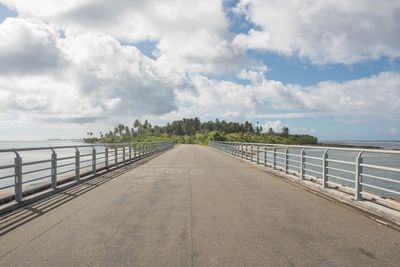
pixel 27 170
pixel 362 172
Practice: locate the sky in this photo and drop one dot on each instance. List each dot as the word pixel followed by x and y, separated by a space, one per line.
pixel 329 68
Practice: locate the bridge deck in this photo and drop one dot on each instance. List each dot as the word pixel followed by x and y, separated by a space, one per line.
pixel 193 206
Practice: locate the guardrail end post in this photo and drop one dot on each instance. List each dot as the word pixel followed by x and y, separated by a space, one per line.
pixel 274 159
pixel 324 169
pixel 286 160
pixel 134 152
pixel 265 156
pixel 258 154
pixel 116 155
pixel 54 170
pixel 106 157
pixel 18 178
pixel 77 166
pixel 358 177
pixel 123 153
pixel 302 171
pixel 94 161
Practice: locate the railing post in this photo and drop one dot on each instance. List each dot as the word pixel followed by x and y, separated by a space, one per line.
pixel 77 165
pixel 134 151
pixel 18 177
pixel 123 154
pixel 258 155
pixel 94 161
pixel 286 160
pixel 139 150
pixel 274 159
pixel 357 188
pixel 53 170
pixel 247 154
pixel 265 155
pixel 130 152
pixel 251 153
pixel 324 169
pixel 242 151
pixel 302 164
pixel 106 156
pixel 116 155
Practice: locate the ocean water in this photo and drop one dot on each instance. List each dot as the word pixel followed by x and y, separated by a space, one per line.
pixel 344 172
pixel 382 144
pixel 32 180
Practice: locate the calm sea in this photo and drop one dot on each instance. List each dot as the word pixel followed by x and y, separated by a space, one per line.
pixel 381 144
pixel 32 180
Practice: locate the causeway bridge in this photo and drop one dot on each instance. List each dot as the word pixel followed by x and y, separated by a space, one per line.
pixel 192 205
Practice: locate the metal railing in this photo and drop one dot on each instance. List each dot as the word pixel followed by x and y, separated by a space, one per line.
pixel 361 172
pixel 27 170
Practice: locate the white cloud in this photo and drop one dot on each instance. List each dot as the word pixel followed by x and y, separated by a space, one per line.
pixel 373 97
pixel 394 131
pixel 275 125
pixel 75 61
pixel 128 20
pixel 28 46
pixel 288 115
pixel 190 36
pixel 99 76
pixel 323 31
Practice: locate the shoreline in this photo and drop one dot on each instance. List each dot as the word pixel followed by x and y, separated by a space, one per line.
pixel 350 146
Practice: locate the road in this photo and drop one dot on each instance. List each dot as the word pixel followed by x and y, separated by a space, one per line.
pixel 193 206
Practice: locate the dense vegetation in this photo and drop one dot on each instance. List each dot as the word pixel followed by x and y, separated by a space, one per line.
pixel 193 131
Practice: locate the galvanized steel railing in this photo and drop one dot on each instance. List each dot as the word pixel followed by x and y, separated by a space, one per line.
pixel 20 176
pixel 362 172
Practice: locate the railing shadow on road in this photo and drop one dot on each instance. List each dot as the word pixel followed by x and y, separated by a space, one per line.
pixel 14 219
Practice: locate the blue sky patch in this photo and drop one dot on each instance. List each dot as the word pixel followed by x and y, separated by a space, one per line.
pixel 148 48
pixel 295 71
pixel 6 12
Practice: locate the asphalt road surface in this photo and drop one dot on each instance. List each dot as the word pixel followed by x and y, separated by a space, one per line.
pixel 193 206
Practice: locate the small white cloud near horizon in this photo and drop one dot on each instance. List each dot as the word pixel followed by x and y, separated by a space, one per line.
pixel 394 131
pixel 276 126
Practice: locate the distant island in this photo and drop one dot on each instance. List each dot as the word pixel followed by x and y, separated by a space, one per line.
pixel 349 146
pixel 66 139
pixel 193 131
